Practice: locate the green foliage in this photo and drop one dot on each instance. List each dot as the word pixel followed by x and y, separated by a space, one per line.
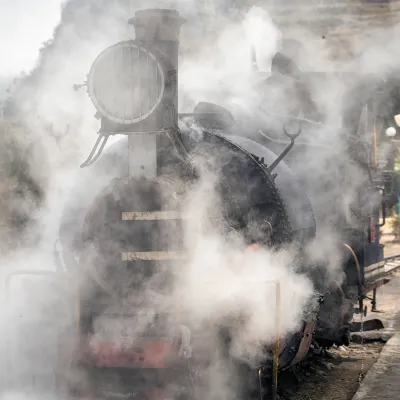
pixel 21 192
pixel 396 227
pixel 397 160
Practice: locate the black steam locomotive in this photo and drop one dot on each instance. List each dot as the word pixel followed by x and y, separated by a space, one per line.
pixel 125 225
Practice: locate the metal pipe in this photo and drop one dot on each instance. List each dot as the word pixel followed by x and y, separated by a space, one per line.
pixel 373 308
pixel 375 145
pixel 277 334
pixel 360 293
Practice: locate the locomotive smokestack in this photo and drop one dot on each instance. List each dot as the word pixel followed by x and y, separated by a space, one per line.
pixel 160 29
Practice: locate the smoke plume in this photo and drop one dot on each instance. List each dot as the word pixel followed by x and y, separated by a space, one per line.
pixel 221 280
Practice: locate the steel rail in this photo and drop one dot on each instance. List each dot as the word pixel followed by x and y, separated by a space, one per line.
pixel 392 263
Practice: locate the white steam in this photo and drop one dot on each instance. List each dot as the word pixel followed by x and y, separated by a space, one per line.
pixel 221 277
pixel 25 25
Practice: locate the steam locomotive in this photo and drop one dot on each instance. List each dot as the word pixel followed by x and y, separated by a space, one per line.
pixel 123 230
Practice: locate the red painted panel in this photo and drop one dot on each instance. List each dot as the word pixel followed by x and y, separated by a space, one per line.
pixel 145 353
pixel 157 394
pixel 253 247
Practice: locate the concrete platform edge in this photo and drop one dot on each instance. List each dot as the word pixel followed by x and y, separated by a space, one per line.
pixel 384 375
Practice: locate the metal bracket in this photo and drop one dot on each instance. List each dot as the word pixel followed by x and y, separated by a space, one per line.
pixel 92 156
pixel 292 138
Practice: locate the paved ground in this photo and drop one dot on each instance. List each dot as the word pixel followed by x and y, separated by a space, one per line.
pixel 382 381
pixel 392 249
pixel 337 375
pixel 391 242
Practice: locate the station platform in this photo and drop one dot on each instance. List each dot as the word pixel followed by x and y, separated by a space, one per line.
pixel 382 381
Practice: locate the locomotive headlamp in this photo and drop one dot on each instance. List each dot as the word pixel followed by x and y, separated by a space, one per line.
pixel 133 85
pixel 126 83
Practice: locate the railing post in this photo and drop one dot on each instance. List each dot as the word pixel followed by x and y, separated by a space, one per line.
pixel 277 334
pixel 373 308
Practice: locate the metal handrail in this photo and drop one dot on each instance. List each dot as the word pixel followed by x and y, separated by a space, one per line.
pixel 43 273
pixel 360 289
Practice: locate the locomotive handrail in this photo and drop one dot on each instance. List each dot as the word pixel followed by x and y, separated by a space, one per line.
pixel 360 289
pixel 8 278
pixel 292 138
pixel 103 138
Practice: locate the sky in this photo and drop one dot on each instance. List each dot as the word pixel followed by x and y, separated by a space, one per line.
pixel 24 26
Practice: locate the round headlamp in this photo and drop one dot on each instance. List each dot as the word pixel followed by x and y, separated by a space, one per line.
pixel 126 83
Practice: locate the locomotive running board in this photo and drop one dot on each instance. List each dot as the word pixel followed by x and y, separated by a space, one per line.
pixel 370 325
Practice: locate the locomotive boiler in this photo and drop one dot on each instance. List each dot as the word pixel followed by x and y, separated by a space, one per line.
pixel 124 229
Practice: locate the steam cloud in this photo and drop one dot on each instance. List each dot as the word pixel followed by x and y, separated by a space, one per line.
pixel 221 277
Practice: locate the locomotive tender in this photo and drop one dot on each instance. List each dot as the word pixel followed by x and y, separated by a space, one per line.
pixel 128 226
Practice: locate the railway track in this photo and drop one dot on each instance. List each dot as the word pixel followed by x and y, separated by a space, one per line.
pixel 392 263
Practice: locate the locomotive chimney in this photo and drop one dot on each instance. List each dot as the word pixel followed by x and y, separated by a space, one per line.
pixel 159 29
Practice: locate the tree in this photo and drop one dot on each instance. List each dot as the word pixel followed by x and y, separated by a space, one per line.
pixel 21 188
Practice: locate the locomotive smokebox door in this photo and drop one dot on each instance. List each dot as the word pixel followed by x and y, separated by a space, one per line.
pixel 40 330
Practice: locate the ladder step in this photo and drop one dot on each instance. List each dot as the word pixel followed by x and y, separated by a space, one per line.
pixel 150 215
pixel 154 255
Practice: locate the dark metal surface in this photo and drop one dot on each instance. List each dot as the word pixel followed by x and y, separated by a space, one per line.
pixel 297 204
pixel 370 325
